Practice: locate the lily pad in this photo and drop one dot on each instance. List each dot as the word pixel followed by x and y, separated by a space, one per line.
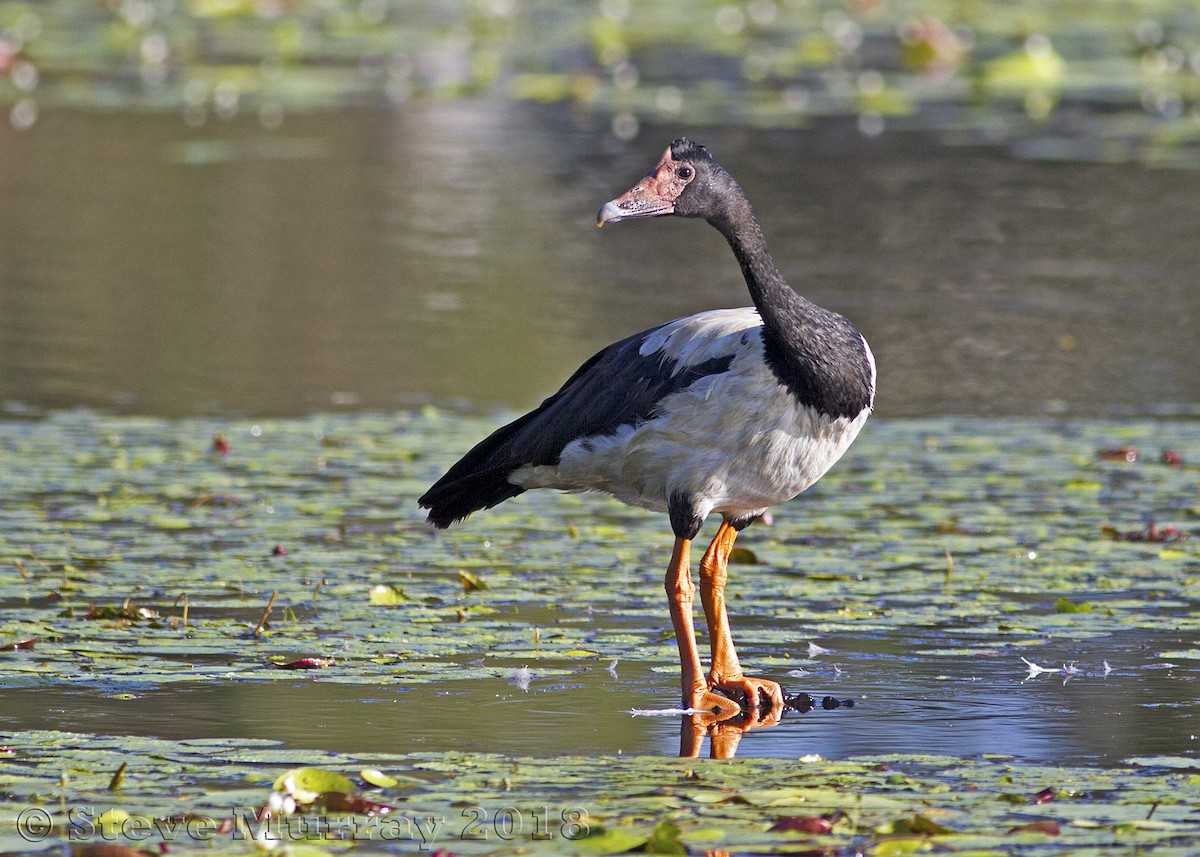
pixel 312 781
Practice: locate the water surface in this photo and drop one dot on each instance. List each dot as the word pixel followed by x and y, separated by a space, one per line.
pixel 904 703
pixel 447 252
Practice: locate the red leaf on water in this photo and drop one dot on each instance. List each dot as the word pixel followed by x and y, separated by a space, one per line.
pixel 308 664
pixel 1171 457
pixel 1150 533
pixel 803 824
pixel 1120 453
pixel 279 550
pixel 1045 795
pixel 1050 828
pixel 17 646
pixel 220 445
pixel 338 802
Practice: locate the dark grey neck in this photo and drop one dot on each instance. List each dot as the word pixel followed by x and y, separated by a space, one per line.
pixel 817 354
pixel 777 302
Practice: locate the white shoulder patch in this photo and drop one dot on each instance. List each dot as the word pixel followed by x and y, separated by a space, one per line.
pixel 874 371
pixel 701 337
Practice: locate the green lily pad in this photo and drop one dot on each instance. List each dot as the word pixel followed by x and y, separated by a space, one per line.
pixel 386 595
pixel 608 840
pixel 306 783
pixel 378 778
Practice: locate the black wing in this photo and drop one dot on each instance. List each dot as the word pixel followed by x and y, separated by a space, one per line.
pixel 618 386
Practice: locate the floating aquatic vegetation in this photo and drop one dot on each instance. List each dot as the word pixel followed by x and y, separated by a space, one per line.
pixel 194 796
pixel 106 541
pixel 100 520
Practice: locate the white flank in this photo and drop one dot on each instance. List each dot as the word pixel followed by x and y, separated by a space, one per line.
pixel 736 442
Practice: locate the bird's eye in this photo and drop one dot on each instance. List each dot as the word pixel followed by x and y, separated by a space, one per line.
pixel 684 172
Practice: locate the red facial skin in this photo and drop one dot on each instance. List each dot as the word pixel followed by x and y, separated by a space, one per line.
pixel 652 196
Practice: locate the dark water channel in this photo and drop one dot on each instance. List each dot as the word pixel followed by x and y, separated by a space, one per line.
pixel 904 703
pixel 447 253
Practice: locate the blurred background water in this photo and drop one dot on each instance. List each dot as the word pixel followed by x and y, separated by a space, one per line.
pixel 228 206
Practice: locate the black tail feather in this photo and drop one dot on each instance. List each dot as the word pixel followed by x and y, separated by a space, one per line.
pixel 451 500
pixel 479 480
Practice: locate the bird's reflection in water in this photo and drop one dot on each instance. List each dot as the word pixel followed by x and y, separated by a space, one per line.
pixel 724 730
pixel 723 735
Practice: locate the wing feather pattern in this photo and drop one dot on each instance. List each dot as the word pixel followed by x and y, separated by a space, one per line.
pixel 618 386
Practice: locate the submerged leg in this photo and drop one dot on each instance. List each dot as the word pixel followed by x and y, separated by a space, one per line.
pixel 680 596
pixel 726 671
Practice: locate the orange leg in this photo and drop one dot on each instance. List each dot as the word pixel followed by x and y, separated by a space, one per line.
pixel 681 596
pixel 726 671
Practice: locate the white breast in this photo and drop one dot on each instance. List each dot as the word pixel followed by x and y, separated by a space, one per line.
pixel 735 442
